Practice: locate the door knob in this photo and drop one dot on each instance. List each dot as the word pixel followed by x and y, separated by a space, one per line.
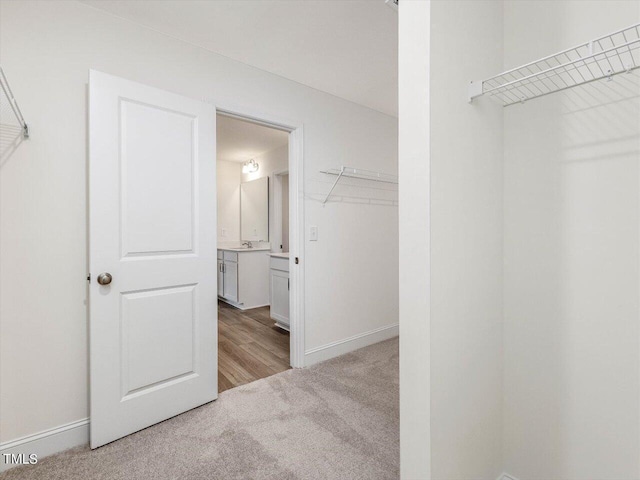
pixel 104 278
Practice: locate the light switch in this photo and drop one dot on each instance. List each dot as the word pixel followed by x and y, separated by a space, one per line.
pixel 224 232
pixel 313 234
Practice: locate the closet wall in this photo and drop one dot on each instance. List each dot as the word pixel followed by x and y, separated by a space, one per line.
pixel 532 279
pixel 466 244
pixel 571 206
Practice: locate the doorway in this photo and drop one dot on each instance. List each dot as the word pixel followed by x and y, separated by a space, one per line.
pixel 254 284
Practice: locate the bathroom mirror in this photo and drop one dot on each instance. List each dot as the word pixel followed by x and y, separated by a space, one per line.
pixel 254 210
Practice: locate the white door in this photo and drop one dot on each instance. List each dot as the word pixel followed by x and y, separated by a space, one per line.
pixel 153 329
pixel 231 281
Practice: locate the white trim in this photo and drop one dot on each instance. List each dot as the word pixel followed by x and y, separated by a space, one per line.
pixel 47 442
pixel 243 112
pixel 241 306
pixel 275 237
pixel 296 247
pixel 335 349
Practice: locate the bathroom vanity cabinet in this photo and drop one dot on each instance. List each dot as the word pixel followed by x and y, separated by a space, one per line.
pixel 243 277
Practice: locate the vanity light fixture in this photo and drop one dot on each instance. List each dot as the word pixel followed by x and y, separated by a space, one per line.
pixel 250 167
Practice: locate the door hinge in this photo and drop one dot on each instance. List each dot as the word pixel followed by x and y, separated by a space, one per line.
pixel 297 261
pixel 89 278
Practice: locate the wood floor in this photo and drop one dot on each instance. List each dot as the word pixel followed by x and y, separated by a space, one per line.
pixel 250 347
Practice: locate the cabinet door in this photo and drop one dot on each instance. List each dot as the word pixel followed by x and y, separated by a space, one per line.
pixel 280 296
pixel 231 281
pixel 220 278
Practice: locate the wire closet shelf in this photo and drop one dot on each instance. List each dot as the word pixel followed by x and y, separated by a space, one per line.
pixel 9 99
pixel 350 172
pixel 598 59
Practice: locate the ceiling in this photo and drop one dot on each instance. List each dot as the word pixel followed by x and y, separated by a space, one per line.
pixel 239 141
pixel 346 48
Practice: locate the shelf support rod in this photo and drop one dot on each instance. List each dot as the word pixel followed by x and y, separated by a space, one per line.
pixel 13 103
pixel 334 185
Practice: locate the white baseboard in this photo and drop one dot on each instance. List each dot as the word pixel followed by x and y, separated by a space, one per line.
pixel 335 349
pixel 242 306
pixel 47 442
pixel 506 476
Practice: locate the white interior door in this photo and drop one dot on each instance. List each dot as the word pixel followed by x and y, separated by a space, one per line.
pixel 153 329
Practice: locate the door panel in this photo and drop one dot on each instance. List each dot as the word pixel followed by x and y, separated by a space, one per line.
pixel 158 179
pixel 158 337
pixel 153 329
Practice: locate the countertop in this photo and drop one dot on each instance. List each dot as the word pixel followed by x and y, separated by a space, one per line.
pixel 245 249
pixel 280 255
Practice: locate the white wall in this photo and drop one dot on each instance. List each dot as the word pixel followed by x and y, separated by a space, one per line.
pixel 47 49
pixel 571 257
pixel 466 244
pixel 450 243
pixel 228 180
pixel 271 161
pixel 535 251
pixel 276 160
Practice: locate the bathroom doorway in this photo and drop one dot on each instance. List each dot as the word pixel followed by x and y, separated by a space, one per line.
pixel 254 282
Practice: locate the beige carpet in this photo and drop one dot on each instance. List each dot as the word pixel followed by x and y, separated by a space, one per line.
pixel 335 420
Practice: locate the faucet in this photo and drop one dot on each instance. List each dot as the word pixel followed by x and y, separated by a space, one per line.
pixel 248 244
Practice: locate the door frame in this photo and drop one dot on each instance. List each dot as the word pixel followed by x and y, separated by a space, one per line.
pixel 296 217
pixel 276 185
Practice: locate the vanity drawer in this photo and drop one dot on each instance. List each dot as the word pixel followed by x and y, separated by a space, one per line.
pixel 220 253
pixel 278 263
pixel 230 256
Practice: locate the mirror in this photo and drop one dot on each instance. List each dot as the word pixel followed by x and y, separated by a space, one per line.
pixel 254 210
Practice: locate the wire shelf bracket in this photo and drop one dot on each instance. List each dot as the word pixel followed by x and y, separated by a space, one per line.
pixel 599 59
pixel 350 172
pixel 6 90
